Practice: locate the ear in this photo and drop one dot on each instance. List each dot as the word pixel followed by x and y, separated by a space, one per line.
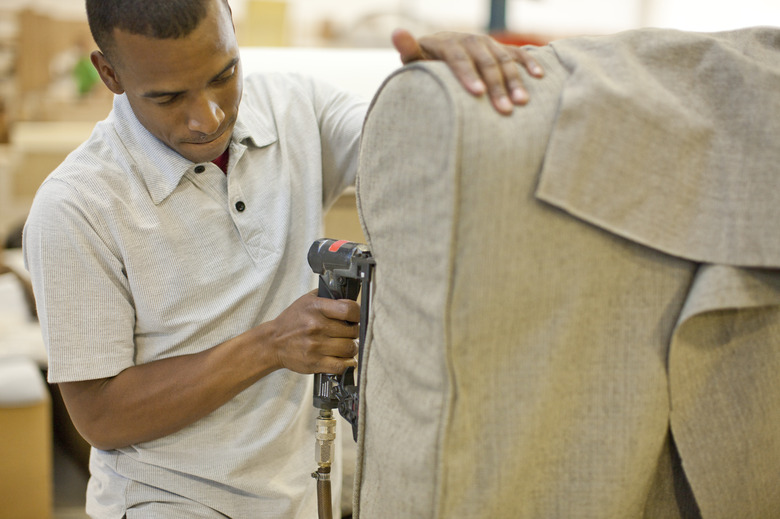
pixel 106 71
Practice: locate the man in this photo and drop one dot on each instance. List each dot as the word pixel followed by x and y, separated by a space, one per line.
pixel 168 259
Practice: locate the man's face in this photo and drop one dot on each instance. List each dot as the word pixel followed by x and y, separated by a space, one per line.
pixel 185 91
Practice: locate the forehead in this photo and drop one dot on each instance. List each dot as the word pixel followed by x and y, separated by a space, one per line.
pixel 199 55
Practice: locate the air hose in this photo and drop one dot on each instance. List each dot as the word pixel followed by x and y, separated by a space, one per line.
pixel 324 505
pixel 323 452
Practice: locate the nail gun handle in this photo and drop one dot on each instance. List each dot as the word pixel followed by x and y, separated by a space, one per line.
pixel 328 388
pixel 334 286
pixel 324 291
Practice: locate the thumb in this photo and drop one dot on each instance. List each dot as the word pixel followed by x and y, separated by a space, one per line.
pixel 407 46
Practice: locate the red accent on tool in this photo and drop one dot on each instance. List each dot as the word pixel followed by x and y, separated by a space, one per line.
pixel 336 245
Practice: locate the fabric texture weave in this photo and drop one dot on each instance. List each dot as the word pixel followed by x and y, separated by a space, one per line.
pixel 563 326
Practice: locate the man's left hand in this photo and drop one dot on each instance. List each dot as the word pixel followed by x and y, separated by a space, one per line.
pixel 479 62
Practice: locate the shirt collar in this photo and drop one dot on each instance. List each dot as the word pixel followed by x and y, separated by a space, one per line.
pixel 163 168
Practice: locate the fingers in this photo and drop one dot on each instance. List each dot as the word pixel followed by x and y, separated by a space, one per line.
pixel 496 65
pixel 316 335
pixel 339 309
pixel 523 57
pixel 481 64
pixel 406 45
pixel 342 356
pixel 317 354
pixel 461 53
pixel 499 72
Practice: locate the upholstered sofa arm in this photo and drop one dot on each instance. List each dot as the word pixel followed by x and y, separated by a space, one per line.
pixel 559 330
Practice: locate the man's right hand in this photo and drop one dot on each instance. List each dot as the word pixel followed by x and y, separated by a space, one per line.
pixel 316 335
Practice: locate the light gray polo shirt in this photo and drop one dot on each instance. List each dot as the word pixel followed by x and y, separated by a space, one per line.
pixel 136 256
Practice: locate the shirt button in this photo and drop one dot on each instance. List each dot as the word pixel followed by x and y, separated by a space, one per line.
pixel 200 168
pixel 240 206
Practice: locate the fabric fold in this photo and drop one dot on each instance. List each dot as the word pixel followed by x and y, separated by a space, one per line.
pixel 669 139
pixel 725 414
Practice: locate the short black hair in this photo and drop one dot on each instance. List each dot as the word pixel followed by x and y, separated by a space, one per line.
pixel 151 18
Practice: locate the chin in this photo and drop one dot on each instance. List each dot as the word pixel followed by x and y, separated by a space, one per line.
pixel 201 152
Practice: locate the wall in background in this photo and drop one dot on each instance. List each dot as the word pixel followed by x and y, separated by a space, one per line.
pixel 313 21
pixel 704 15
pixel 555 18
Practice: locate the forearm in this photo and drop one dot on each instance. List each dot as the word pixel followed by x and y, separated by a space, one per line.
pixel 149 401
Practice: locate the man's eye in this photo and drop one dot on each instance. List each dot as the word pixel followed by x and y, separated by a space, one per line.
pixel 226 77
pixel 163 101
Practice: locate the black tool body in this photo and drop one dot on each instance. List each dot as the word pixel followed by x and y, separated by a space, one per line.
pixel 344 268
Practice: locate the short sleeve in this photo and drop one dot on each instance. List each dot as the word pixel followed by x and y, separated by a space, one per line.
pixel 84 303
pixel 340 115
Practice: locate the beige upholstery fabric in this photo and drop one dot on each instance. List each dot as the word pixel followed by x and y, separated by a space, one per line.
pixel 524 362
pixel 692 119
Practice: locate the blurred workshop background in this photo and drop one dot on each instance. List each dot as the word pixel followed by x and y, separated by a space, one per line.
pixel 50 98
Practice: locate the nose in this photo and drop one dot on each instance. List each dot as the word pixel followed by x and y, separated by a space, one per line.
pixel 205 116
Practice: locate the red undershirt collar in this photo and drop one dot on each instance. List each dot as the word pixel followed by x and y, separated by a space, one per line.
pixel 222 160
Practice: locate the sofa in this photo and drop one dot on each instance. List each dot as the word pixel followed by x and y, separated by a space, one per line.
pixel 576 308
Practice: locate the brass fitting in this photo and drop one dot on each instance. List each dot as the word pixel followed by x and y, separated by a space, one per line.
pixel 324 436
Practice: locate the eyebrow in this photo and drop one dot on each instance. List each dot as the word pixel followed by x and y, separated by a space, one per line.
pixel 163 93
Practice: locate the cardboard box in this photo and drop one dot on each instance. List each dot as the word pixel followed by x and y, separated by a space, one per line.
pixel 26 476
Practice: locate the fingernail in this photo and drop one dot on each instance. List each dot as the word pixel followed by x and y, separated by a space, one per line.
pixel 478 87
pixel 504 104
pixel 519 96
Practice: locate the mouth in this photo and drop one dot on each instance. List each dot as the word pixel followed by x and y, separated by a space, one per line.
pixel 206 139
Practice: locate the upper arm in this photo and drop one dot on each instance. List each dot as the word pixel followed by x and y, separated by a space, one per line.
pixel 340 115
pixel 83 297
